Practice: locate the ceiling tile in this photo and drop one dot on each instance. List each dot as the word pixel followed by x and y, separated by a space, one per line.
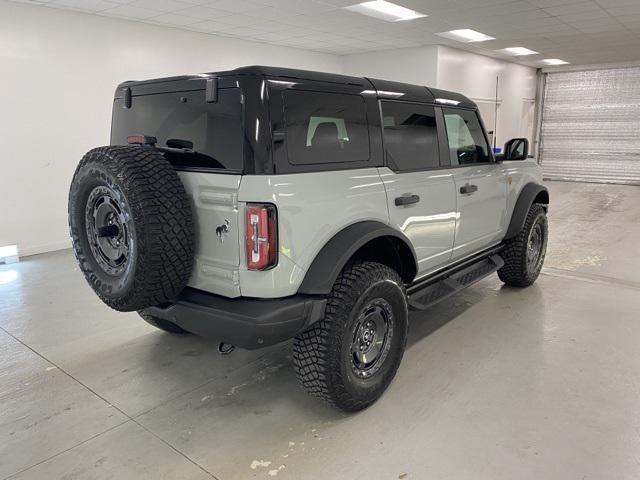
pixel 625 10
pixel 616 3
pixel 85 5
pixel 127 11
pixel 174 20
pixel 233 6
pixel 208 26
pixel 572 8
pixel 588 15
pixel 574 30
pixel 159 5
pixel 202 12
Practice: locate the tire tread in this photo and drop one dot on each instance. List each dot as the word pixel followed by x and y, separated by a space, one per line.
pixel 316 351
pixel 162 218
pixel 514 272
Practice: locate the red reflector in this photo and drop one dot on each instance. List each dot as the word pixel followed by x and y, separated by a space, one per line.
pixel 261 236
pixel 141 140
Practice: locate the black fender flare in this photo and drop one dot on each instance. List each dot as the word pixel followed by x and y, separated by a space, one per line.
pixel 334 255
pixel 522 206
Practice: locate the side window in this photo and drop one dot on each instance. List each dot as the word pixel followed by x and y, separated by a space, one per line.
pixel 325 128
pixel 410 136
pixel 467 142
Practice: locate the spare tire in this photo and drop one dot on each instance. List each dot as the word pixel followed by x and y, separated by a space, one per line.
pixel 131 226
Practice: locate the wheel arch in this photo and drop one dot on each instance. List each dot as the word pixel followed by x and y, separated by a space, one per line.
pixel 368 240
pixel 531 193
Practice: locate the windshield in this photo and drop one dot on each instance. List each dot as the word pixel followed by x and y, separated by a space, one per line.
pixel 190 131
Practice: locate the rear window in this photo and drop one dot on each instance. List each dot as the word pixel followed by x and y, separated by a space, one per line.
pixel 190 131
pixel 325 128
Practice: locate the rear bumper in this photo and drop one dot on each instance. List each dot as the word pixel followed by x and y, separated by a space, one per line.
pixel 244 322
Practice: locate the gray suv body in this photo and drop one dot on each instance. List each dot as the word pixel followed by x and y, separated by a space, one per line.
pixel 263 204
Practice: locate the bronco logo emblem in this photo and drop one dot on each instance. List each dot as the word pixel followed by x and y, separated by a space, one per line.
pixel 222 230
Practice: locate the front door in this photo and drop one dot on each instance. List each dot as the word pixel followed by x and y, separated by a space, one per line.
pixel 421 198
pixel 480 184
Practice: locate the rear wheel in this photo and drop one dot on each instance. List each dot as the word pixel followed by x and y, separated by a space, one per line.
pixel 350 357
pixel 524 254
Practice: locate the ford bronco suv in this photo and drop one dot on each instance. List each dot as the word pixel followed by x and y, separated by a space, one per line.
pixel 262 204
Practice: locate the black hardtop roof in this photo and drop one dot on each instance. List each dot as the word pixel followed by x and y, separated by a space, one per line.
pixel 385 88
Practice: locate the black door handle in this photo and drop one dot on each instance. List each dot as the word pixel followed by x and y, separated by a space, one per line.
pixel 468 188
pixel 406 200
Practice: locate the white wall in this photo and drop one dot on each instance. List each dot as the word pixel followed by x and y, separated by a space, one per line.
pixel 59 69
pixel 475 76
pixel 410 65
pixel 58 73
pixel 451 69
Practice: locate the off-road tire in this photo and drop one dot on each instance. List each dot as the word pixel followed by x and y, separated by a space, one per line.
pixel 163 324
pixel 322 355
pixel 153 209
pixel 516 272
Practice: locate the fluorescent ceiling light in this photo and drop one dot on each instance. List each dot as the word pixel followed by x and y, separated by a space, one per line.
pixel 466 35
pixel 386 11
pixel 518 51
pixel 554 61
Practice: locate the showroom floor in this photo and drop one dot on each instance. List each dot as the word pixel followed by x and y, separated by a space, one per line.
pixel 497 383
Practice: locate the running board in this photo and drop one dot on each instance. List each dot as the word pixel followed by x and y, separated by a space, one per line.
pixel 445 286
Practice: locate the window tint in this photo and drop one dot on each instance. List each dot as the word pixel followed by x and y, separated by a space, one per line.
pixel 211 132
pixel 325 128
pixel 467 143
pixel 410 136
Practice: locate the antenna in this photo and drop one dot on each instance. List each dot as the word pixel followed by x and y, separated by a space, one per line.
pixel 495 117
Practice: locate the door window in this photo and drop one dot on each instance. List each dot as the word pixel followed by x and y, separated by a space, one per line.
pixel 467 142
pixel 410 136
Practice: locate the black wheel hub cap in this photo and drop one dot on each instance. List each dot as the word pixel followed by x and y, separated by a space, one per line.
pixel 371 338
pixel 108 230
pixel 534 247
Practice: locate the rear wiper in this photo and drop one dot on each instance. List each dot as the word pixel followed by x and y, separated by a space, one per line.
pixel 179 143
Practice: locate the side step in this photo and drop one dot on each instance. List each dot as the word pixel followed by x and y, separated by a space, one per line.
pixel 421 297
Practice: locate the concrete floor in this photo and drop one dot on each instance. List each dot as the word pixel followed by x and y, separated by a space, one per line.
pixel 498 383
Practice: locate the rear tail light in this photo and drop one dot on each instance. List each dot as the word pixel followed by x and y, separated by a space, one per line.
pixel 261 236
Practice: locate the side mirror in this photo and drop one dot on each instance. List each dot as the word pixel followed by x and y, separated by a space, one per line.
pixel 516 149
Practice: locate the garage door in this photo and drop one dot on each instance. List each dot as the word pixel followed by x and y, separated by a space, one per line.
pixel 591 126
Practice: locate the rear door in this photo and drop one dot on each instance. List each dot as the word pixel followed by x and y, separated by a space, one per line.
pixel 480 183
pixel 421 197
pixel 205 143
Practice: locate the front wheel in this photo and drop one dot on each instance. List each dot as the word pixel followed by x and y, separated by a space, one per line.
pixel 524 254
pixel 350 357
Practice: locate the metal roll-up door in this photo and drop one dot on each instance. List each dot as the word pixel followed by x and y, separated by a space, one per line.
pixel 591 126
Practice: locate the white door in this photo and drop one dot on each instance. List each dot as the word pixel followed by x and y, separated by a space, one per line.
pixel 480 184
pixel 590 130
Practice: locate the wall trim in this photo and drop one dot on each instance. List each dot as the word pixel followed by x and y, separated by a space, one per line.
pixel 46 248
